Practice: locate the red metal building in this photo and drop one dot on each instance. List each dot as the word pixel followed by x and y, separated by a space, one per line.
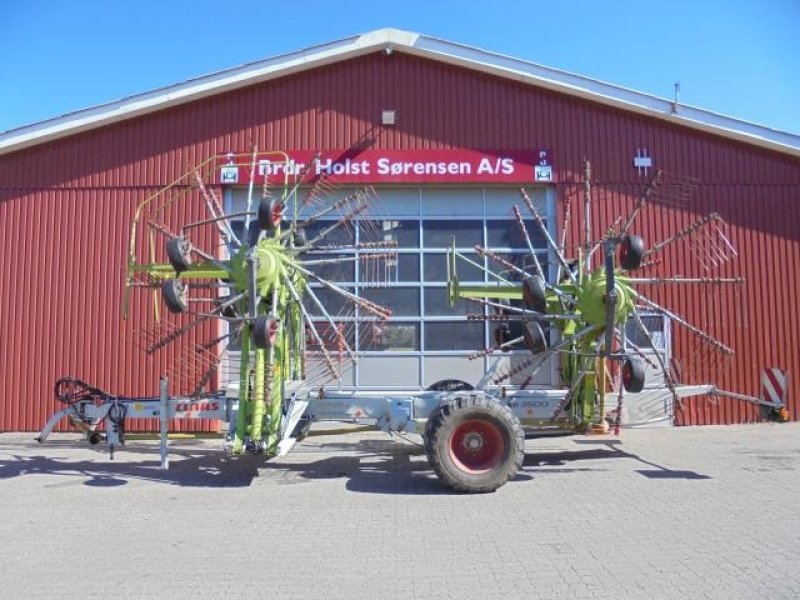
pixel 68 188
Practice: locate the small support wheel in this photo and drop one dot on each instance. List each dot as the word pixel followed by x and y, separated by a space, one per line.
pixel 631 252
pixel 270 213
pixel 178 250
pixel 300 238
pixel 534 337
pixel 533 294
pixel 633 375
pixel 474 443
pixel 265 331
pixel 175 295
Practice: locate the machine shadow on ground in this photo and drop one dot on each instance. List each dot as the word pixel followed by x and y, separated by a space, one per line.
pixel 608 449
pixel 374 466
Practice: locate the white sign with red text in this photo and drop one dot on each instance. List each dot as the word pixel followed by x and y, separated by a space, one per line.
pixel 391 166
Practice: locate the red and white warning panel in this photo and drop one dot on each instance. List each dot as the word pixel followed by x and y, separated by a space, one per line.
pixel 773 386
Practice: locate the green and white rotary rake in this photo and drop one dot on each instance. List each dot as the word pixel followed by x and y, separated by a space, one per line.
pixel 250 280
pixel 584 316
pixel 254 278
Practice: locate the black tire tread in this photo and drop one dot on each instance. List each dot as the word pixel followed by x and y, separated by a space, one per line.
pixel 261 332
pixel 636 366
pixel 178 254
pixel 172 290
pixel 436 447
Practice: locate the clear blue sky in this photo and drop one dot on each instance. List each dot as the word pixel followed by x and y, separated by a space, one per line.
pixel 735 57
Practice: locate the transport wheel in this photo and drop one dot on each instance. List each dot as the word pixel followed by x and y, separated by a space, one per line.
pixel 533 294
pixel 270 213
pixel 178 254
pixel 450 385
pixel 633 375
pixel 474 443
pixel 265 330
pixel 175 295
pixel 631 252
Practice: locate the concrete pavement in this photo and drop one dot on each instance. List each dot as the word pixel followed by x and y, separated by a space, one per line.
pixel 664 513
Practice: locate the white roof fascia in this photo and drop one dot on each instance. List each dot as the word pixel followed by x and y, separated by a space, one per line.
pixel 193 89
pixel 410 43
pixel 609 94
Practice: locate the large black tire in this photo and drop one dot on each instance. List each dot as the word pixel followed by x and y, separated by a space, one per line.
pixel 633 375
pixel 178 254
pixel 450 385
pixel 631 252
pixel 175 295
pixel 474 443
pixel 270 213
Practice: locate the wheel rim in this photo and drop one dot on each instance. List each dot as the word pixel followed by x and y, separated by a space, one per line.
pixel 272 331
pixel 477 446
pixel 277 214
pixel 623 253
pixel 632 377
pixel 627 375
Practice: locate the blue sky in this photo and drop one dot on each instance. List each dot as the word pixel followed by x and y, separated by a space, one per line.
pixel 738 58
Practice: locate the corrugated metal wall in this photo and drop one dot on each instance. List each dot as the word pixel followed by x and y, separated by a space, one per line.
pixel 65 209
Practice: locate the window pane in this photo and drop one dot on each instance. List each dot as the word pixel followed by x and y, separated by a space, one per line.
pixel 507 234
pixel 405 233
pixel 437 305
pixel 330 338
pixel 456 335
pixel 523 261
pixel 333 302
pixel 343 270
pixel 654 324
pixel 342 235
pixel 452 202
pixel 500 333
pixel 407 268
pixel 393 337
pixel 395 201
pixel 500 202
pixel 436 268
pixel 403 302
pixel 439 234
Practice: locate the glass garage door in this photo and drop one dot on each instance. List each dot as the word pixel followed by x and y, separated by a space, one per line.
pixel 426 340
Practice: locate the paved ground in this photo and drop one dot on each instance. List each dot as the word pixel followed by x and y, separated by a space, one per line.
pixel 681 513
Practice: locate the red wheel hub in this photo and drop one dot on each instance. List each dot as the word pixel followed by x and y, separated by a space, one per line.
pixel 272 330
pixel 627 374
pixel 277 214
pixel 477 446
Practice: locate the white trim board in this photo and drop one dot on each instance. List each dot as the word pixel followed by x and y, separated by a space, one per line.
pixel 394 40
